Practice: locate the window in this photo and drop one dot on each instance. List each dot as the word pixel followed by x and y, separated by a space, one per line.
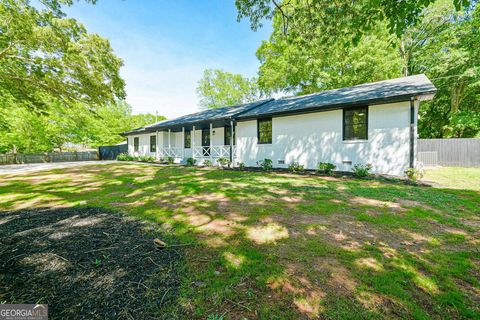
pixel 264 127
pixel 135 144
pixel 153 143
pixel 355 123
pixel 227 135
pixel 188 139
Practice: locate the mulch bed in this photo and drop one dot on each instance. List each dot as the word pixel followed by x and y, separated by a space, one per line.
pixel 88 263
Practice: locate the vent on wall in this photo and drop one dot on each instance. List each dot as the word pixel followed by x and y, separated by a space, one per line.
pixel 281 161
pixel 347 162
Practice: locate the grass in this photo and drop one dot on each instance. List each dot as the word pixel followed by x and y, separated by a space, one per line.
pixel 281 246
pixel 455 177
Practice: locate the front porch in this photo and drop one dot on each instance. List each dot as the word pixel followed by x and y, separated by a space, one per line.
pixel 201 142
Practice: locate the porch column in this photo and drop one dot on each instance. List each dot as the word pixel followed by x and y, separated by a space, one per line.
pixel 211 138
pixel 183 142
pixel 192 141
pixel 231 142
pixel 169 144
pixel 157 146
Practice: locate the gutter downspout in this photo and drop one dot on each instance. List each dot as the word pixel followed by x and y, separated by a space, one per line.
pixel 412 132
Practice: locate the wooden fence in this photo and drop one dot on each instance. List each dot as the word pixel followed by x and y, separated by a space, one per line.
pixel 48 157
pixel 449 152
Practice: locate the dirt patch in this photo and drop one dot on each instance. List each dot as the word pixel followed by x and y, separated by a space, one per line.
pixel 87 263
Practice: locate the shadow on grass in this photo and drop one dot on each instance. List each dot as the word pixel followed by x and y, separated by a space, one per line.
pixel 87 262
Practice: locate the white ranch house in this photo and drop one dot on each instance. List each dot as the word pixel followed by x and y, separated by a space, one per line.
pixel 372 123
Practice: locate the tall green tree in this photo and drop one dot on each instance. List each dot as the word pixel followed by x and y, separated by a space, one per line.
pixel 46 56
pixel 444 46
pixel 330 20
pixel 288 64
pixel 30 132
pixel 218 88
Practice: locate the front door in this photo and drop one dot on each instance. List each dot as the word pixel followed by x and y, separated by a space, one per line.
pixel 206 142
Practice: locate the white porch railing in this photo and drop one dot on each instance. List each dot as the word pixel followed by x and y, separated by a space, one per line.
pixel 170 152
pixel 213 151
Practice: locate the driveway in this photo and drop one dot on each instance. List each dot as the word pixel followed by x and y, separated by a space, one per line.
pixel 31 167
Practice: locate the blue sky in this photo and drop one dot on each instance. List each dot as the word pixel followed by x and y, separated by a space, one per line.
pixel 166 45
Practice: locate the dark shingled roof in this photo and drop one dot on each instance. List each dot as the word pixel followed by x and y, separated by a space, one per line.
pixel 208 115
pixel 399 89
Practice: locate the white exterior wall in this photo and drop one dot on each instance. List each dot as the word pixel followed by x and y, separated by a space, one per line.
pixel 143 147
pixel 318 137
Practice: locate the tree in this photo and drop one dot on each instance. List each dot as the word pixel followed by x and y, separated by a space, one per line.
pixel 45 56
pixel 336 18
pixel 30 132
pixel 218 88
pixel 289 64
pixel 443 45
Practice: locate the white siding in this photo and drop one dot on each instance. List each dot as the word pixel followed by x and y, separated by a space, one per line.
pixel 317 137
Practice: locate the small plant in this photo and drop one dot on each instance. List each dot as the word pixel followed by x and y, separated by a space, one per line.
pixel 170 160
pixel 295 167
pixel 146 159
pixel 215 317
pixel 241 166
pixel 414 174
pixel 362 170
pixel 207 163
pixel 265 164
pixel 125 157
pixel 191 162
pixel 223 162
pixel 326 168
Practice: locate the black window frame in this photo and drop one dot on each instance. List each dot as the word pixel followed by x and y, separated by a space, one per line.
pixel 258 130
pixel 136 144
pixel 188 133
pixel 154 145
pixel 226 139
pixel 345 110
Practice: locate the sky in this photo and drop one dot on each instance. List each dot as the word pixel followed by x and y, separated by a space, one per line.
pixel 166 45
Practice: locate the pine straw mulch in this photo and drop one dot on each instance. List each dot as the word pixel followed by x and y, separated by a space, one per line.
pixel 87 263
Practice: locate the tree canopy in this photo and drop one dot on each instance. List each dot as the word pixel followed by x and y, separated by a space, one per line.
pixel 32 132
pixel 45 56
pixel 330 20
pixel 219 88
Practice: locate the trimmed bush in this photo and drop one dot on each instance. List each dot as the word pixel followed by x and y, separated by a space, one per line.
pixel 326 167
pixel 191 162
pixel 295 167
pixel 223 162
pixel 146 159
pixel 265 164
pixel 207 163
pixel 170 160
pixel 125 157
pixel 362 170
pixel 414 174
pixel 241 166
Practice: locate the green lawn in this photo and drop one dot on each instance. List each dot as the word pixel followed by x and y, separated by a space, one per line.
pixel 270 245
pixel 455 177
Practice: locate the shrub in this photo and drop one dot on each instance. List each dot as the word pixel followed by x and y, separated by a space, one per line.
pixel 125 157
pixel 414 174
pixel 241 166
pixel 170 160
pixel 191 162
pixel 265 164
pixel 362 170
pixel 146 159
pixel 207 163
pixel 295 167
pixel 326 167
pixel 223 162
